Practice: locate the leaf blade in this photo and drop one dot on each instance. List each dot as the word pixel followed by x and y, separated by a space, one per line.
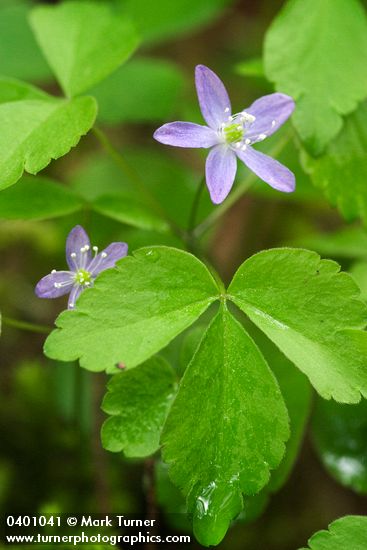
pixel 312 313
pixel 328 49
pixel 81 58
pixel 210 469
pixel 138 401
pixel 133 311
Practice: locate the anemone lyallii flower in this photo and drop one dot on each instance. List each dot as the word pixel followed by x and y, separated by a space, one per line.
pixel 230 136
pixel 83 267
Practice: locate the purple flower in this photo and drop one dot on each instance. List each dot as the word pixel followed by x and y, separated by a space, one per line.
pixel 84 267
pixel 231 136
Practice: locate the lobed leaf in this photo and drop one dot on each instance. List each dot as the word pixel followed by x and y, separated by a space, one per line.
pixel 312 312
pixel 233 437
pixel 138 402
pixel 346 532
pixel 135 310
pixel 316 52
pixel 341 173
pixel 37 128
pixel 83 40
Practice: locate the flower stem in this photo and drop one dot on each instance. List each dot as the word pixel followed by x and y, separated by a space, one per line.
pixel 237 193
pixel 134 177
pixel 195 206
pixel 23 325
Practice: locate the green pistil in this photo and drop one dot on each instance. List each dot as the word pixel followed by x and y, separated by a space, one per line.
pixel 233 133
pixel 83 277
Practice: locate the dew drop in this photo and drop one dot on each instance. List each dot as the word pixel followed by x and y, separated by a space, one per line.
pixel 152 255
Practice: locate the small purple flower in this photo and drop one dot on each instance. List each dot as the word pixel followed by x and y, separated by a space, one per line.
pixel 84 267
pixel 231 136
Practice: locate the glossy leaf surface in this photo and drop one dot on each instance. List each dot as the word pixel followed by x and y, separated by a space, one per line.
pixel 241 433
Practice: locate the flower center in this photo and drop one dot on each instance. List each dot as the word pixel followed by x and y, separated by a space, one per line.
pixel 235 129
pixel 233 132
pixel 83 277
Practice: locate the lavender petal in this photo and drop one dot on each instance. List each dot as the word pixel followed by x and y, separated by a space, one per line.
pixel 107 258
pixel 76 242
pixel 213 98
pixel 74 295
pixel 221 166
pixel 271 111
pixel 186 134
pixel 269 170
pixel 46 286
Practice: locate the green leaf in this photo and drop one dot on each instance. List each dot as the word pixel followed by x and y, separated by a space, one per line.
pixel 164 19
pixel 134 92
pixel 230 414
pixel 138 402
pixel 341 173
pixel 38 128
pixel 135 310
pixel 38 198
pixel 312 313
pixel 316 52
pixel 339 436
pixel 127 210
pixel 347 532
pixel 19 54
pixel 83 41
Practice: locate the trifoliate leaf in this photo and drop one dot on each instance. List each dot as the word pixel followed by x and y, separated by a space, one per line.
pixel 133 93
pixel 83 40
pixel 339 435
pixel 312 312
pixel 38 128
pixel 231 415
pixel 341 173
pixel 19 53
pixel 347 532
pixel 317 53
pixel 38 198
pixel 138 401
pixel 135 310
